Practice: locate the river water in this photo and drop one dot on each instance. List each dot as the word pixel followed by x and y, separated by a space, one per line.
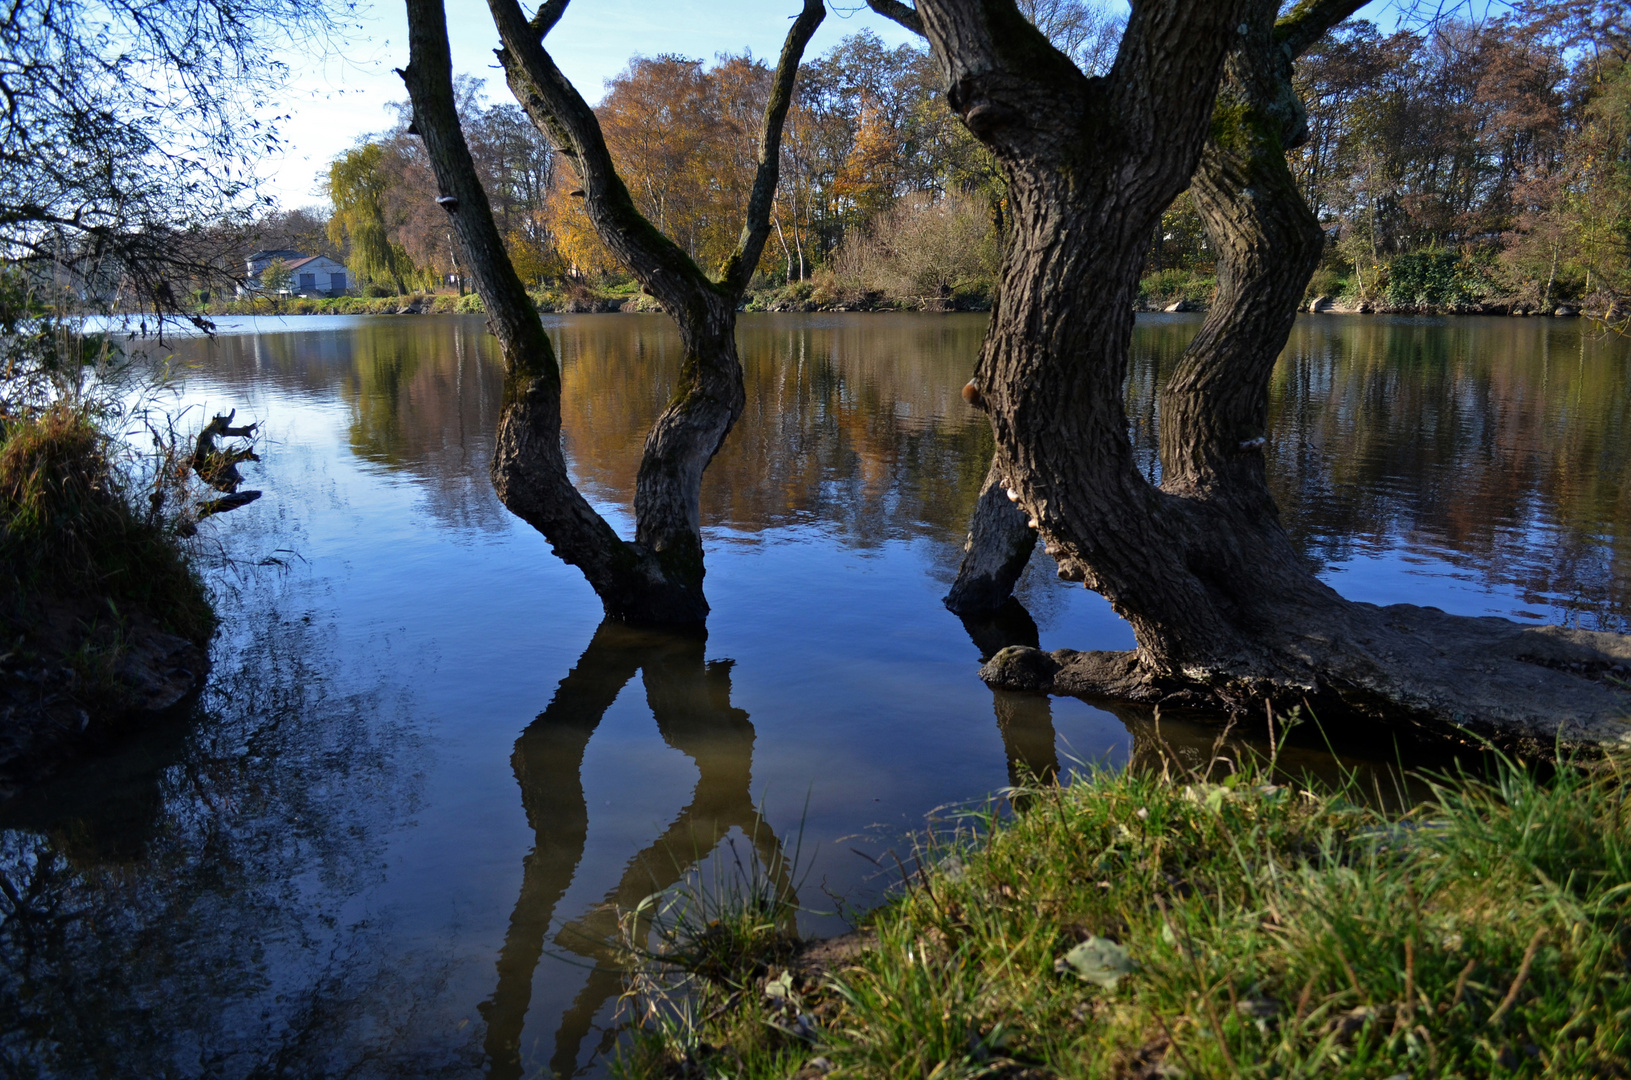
pixel 392 837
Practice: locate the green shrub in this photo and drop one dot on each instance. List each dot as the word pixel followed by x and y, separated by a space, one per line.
pixel 1435 279
pixel 1169 286
pixel 1325 282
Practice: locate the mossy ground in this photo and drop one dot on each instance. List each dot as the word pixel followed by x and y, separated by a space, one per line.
pixel 1266 930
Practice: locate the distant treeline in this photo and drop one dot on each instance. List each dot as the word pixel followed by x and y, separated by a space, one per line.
pixel 1455 166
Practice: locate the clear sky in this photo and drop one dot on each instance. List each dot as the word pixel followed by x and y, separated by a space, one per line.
pixel 336 99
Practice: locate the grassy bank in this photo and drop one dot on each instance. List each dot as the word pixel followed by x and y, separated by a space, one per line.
pixel 1139 925
pixel 70 529
pixel 821 295
pixel 102 615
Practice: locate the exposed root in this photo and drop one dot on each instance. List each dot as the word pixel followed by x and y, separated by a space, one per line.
pixel 1402 665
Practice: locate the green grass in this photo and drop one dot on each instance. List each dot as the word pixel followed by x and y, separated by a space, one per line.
pixel 1268 931
pixel 1169 286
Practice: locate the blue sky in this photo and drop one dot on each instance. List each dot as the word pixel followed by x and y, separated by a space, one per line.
pixel 337 98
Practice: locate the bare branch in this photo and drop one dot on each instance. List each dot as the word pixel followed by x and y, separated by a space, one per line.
pixel 738 269
pixel 549 13
pixel 1311 20
pixel 896 11
pixel 542 490
pixel 429 79
pixel 557 108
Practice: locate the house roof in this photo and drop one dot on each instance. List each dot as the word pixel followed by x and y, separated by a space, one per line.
pixel 274 253
pixel 307 260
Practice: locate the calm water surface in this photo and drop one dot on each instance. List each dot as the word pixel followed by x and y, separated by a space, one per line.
pixel 392 837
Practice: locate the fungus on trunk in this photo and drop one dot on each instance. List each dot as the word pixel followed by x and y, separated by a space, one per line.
pixel 657 577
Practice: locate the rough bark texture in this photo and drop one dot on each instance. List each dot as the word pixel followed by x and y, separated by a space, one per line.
pixel 657 578
pixel 1000 540
pixel 1224 611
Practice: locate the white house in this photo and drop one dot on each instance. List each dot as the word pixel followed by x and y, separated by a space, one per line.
pixel 313 274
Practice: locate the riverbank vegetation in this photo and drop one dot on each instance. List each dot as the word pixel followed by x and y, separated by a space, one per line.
pixel 128 143
pixel 104 614
pixel 1458 167
pixel 1167 921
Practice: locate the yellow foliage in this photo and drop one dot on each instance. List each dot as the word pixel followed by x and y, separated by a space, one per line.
pixel 574 233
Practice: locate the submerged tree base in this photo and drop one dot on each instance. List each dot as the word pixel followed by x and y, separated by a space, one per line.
pixel 1402 665
pixel 1165 922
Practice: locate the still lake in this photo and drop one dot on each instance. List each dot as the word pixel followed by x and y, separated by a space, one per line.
pixel 391 837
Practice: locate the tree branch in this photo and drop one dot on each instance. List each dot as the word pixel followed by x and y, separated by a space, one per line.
pixel 1309 21
pixel 528 465
pixel 557 108
pixel 1158 70
pixel 896 11
pixel 549 13
pixel 429 81
pixel 738 269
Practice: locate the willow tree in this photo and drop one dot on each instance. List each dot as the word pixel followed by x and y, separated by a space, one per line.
pixel 656 577
pixel 357 186
pixel 1224 610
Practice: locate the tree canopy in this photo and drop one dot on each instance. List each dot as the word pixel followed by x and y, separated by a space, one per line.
pixel 129 132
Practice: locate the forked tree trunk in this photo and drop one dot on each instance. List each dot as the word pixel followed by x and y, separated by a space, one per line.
pixel 657 577
pixel 1224 611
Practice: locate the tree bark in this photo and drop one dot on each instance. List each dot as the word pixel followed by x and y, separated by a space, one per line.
pixel 658 577
pixel 999 544
pixel 1224 611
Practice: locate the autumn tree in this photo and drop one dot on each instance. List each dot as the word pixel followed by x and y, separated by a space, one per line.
pixel 277 277
pixel 1224 610
pixel 657 577
pixel 358 186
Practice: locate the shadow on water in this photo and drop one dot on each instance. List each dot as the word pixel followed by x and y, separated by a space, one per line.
pixel 183 903
pixel 690 700
pixel 1025 721
pixel 1379 766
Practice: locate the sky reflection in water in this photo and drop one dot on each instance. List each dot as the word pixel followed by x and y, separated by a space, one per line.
pixel 394 835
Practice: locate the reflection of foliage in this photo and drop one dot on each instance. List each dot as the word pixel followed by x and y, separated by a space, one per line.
pixel 1500 447
pixel 183 899
pixel 1498 444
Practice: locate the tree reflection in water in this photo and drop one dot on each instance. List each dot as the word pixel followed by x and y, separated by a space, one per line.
pixel 689 699
pixel 179 907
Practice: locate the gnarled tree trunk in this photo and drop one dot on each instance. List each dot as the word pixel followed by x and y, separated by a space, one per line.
pixel 657 577
pixel 1224 611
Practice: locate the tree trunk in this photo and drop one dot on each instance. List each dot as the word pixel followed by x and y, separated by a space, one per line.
pixel 657 578
pixel 999 545
pixel 1224 611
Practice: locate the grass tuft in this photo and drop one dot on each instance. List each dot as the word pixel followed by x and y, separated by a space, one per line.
pixel 69 531
pixel 1272 930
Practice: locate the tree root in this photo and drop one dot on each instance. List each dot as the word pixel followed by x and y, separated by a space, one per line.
pixel 1404 666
